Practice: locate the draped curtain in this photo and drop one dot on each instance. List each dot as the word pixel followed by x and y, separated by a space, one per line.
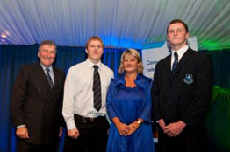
pixel 218 117
pixel 120 23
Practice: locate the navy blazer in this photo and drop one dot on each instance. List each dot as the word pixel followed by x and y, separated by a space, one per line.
pixel 186 93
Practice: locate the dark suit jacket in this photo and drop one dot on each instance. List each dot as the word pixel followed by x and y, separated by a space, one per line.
pixel 37 105
pixel 186 93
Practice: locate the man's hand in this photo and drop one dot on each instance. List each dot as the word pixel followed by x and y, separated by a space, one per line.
pixel 22 133
pixel 60 131
pixel 162 124
pixel 73 133
pixel 175 128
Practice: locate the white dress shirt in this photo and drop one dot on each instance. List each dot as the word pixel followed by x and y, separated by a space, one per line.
pixel 180 53
pixel 51 73
pixel 78 91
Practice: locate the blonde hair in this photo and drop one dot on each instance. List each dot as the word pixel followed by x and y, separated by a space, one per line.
pixel 134 53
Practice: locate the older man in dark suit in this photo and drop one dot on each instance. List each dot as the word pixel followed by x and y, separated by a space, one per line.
pixel 37 102
pixel 181 93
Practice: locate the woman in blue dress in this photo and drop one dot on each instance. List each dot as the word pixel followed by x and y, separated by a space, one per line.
pixel 129 107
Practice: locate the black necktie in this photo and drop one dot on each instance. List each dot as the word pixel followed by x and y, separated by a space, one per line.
pixel 96 88
pixel 175 62
pixel 49 77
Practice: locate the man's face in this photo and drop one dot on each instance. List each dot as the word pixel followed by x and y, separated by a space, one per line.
pixel 95 50
pixel 47 54
pixel 177 34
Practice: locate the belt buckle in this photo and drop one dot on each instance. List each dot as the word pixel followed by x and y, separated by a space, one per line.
pixel 92 119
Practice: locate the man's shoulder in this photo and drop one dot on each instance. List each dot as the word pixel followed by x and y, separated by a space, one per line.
pixel 163 61
pixel 59 71
pixel 106 68
pixel 78 66
pixel 146 79
pixel 198 55
pixel 28 67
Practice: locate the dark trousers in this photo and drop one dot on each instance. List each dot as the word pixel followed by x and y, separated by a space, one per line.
pixel 93 136
pixel 23 146
pixel 187 141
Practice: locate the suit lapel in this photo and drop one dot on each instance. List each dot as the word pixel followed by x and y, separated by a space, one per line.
pixel 42 77
pixel 168 63
pixel 167 66
pixel 56 78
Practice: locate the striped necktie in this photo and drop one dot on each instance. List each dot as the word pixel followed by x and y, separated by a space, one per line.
pixel 96 88
pixel 50 81
pixel 175 61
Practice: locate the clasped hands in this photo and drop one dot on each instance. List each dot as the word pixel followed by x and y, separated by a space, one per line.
pixel 127 130
pixel 172 129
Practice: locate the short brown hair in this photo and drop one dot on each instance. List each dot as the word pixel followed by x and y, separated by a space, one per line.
pixel 94 38
pixel 47 42
pixel 134 53
pixel 179 21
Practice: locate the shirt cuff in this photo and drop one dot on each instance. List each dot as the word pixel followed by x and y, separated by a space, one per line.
pixel 71 125
pixel 21 126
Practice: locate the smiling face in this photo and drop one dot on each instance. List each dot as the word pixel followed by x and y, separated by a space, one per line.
pixel 130 64
pixel 95 50
pixel 47 54
pixel 177 35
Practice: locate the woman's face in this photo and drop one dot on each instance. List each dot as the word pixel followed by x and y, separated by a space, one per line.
pixel 130 63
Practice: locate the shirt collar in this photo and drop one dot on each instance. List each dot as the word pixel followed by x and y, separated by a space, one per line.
pixel 44 67
pixel 181 51
pixel 91 64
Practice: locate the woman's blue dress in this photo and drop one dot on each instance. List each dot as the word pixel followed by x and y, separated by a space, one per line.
pixel 129 104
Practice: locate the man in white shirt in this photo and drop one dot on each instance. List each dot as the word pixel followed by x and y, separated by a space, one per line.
pixel 84 101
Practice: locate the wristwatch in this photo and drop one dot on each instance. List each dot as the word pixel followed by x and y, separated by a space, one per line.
pixel 139 121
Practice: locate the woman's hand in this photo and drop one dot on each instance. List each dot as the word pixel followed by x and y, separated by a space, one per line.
pixel 133 127
pixel 122 127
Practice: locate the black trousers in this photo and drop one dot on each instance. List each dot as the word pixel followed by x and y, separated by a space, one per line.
pixel 188 141
pixel 23 146
pixel 93 135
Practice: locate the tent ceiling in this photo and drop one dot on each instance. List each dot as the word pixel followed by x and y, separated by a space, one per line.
pixel 120 23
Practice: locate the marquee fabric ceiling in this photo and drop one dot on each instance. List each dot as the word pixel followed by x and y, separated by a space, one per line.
pixel 120 23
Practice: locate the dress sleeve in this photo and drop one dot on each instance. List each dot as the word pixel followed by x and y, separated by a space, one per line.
pixel 111 111
pixel 146 109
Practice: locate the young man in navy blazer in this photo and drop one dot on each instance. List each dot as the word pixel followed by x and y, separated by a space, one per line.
pixel 181 93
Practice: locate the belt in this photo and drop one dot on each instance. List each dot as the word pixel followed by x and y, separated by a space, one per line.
pixel 86 119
